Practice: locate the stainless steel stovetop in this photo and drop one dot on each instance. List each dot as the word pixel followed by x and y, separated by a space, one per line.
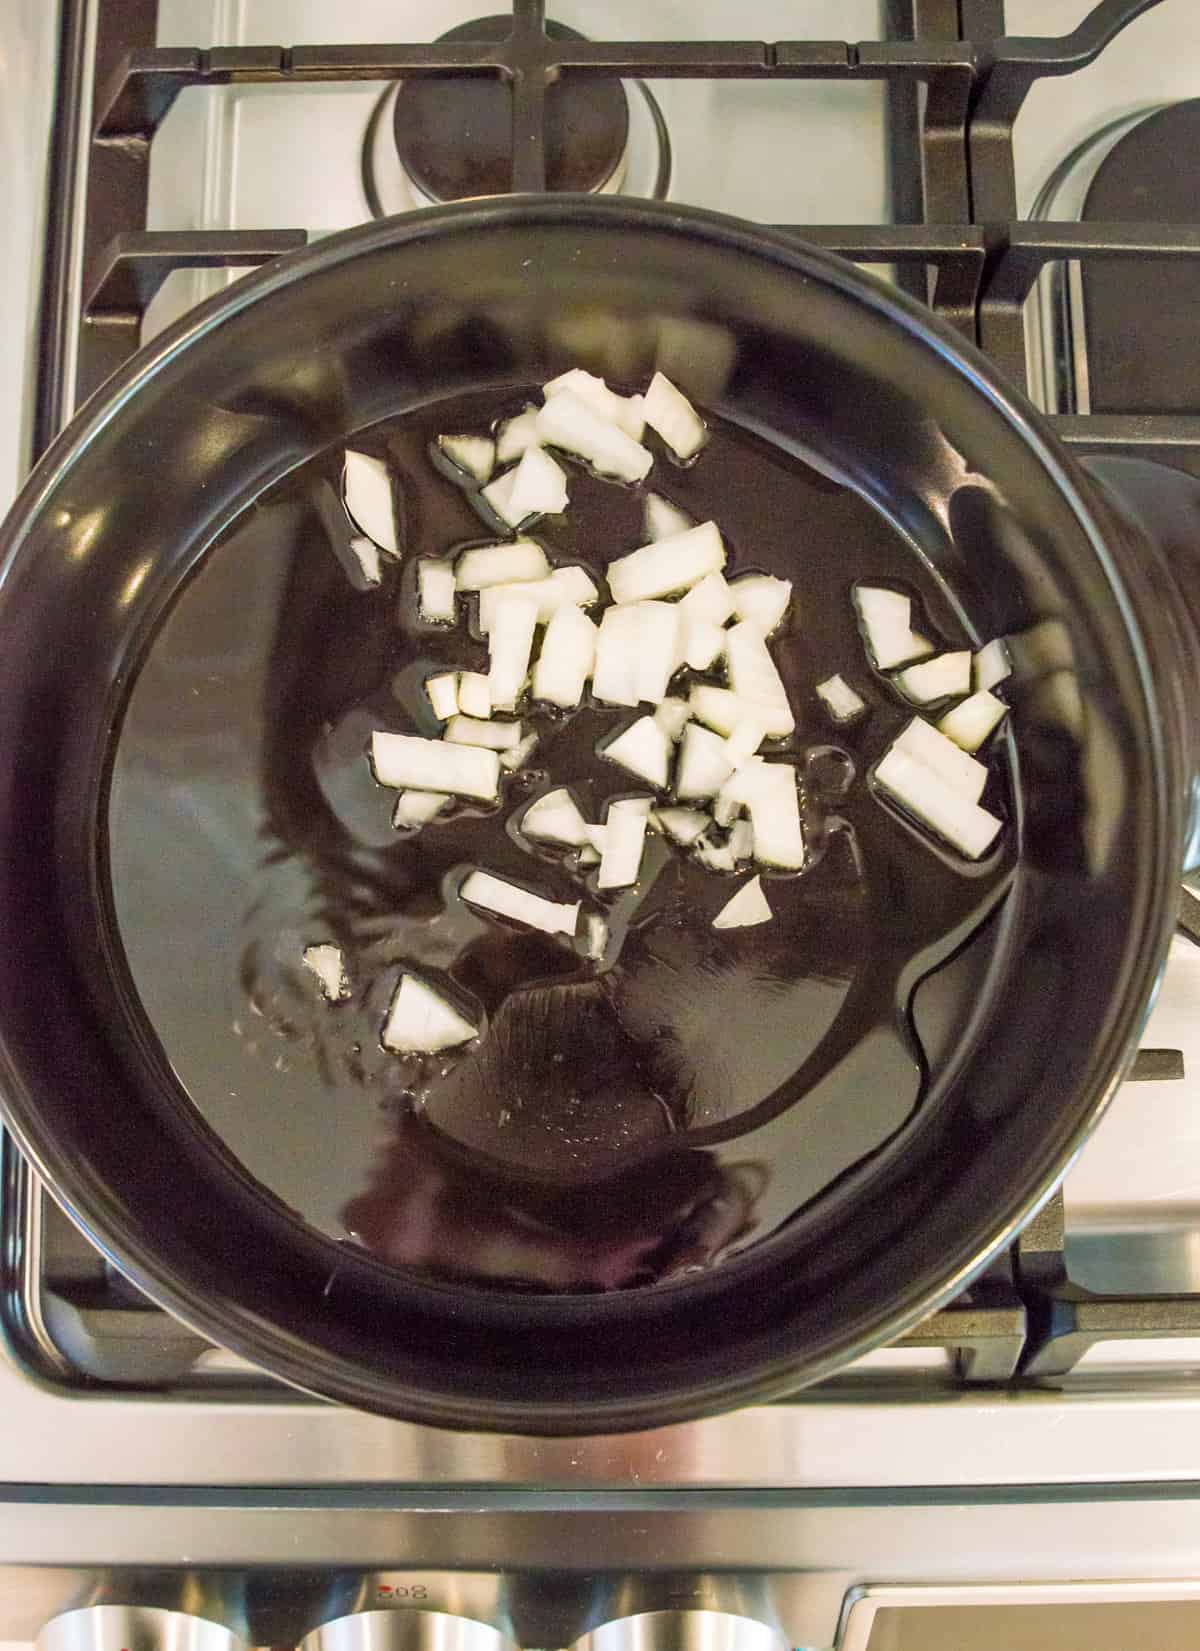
pixel 139 1468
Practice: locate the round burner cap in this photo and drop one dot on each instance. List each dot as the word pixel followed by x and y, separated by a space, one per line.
pixel 454 133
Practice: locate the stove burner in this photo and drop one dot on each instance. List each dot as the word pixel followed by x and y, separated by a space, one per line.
pixel 454 135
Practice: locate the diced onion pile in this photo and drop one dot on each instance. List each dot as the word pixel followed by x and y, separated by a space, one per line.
pixel 695 747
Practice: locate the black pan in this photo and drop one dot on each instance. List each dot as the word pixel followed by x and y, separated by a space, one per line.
pixel 190 675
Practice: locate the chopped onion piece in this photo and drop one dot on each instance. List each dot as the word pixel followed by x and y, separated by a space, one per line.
pixel 569 422
pixel 768 790
pixel 567 658
pixel 589 856
pixel 497 495
pixel 886 619
pixel 970 722
pixel 496 736
pixel 711 600
pixel 408 762
pixel 939 678
pixel 992 664
pixel 510 643
pixel 668 566
pixel 597 935
pixel 517 755
pixel 954 767
pixel 703 645
pixel 715 856
pixel 617 674
pixel 754 678
pixel 473 697
pixel 369 502
pixel 496 894
pixel 718 708
pixel 658 648
pixel 443 695
pixel 747 908
pixel 474 454
pixel 326 963
pixel 661 519
pixel 741 840
pixel 501 565
pixel 684 825
pixel 417 808
pixel 516 436
pixel 747 736
pixel 555 818
pixel 704 763
pixel 366 554
pixel 624 836
pixel 435 590
pixel 671 414
pixel 623 411
pixel 597 836
pixel 761 600
pixel 841 701
pixel 950 814
pixel 644 749
pixel 565 588
pixel 419 1022
pixel 672 716
pixel 539 487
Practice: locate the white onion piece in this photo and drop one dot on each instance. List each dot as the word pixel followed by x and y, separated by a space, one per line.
pixel 569 422
pixel 496 894
pixel 616 676
pixel 555 818
pixel 668 566
pixel 539 487
pixel 443 695
pixel 624 836
pixel 597 936
pixel 436 590
pixel 597 836
pixel 567 658
pixel 886 619
pixel 684 825
pixel 644 749
pixel 367 489
pixel 717 708
pixel 746 910
pixel 940 678
pixel 658 648
pixel 710 601
pixel 970 722
pixel 623 411
pixel 715 856
pixel 747 736
pixel 661 519
pixel 672 715
pixel 419 1022
pixel 327 964
pixel 497 495
pixel 510 642
pixel 518 755
pixel 761 600
pixel 565 588
pixel 512 564
pixel 516 436
pixel 768 790
pixel 704 763
pixel 953 766
pixel 741 840
pixel 406 762
pixel 476 455
pixel 703 645
pixel 417 808
pixel 589 856
pixel 841 701
pixel 366 554
pixel 495 736
pixel 669 412
pixel 754 678
pixel 954 817
pixel 474 700
pixel 992 664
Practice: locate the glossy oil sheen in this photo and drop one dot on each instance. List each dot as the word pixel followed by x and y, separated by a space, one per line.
pixel 612 1126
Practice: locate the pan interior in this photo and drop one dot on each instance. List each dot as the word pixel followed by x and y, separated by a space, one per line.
pixel 615 1127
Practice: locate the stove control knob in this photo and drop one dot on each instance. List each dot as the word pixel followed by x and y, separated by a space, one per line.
pixel 405 1629
pixel 683 1631
pixel 134 1628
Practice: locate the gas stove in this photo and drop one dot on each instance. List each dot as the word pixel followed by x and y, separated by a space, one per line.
pixel 1035 1444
